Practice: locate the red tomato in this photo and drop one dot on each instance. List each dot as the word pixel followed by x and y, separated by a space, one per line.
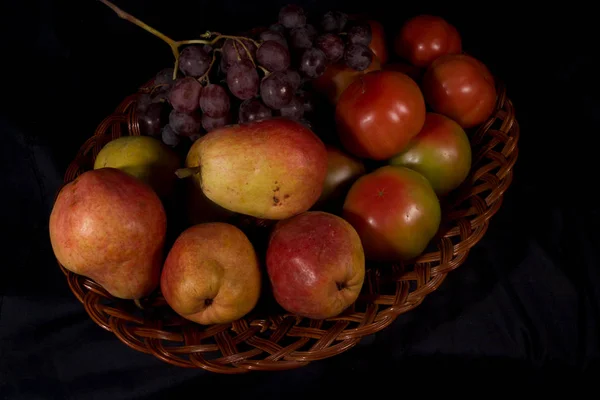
pixel 379 113
pixel 395 212
pixel 414 72
pixel 424 38
pixel 441 152
pixel 338 77
pixel 342 171
pixel 378 45
pixel 460 87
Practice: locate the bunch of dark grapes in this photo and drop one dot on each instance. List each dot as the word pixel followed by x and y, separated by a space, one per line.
pixel 252 78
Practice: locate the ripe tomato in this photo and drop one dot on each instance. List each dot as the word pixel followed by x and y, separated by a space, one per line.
pixel 441 152
pixel 424 38
pixel 378 45
pixel 415 73
pixel 338 77
pixel 460 87
pixel 342 171
pixel 395 212
pixel 379 113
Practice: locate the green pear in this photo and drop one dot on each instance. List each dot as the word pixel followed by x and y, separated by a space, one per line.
pixel 272 169
pixel 143 157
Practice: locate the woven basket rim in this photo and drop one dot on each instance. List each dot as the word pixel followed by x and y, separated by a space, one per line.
pixel 284 341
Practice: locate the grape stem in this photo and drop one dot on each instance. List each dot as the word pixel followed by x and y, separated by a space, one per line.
pixel 266 71
pixel 176 44
pixel 205 76
pixel 221 37
pixel 128 17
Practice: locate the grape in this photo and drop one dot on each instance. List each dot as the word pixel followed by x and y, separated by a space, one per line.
pixel 273 56
pixel 360 34
pixel 185 94
pixel 169 136
pixel 185 124
pixel 250 46
pixel 146 99
pixel 306 123
pixel 164 77
pixel 292 16
pixel 275 36
pixel 307 101
pixel 242 80
pixel 252 110
pixel 294 110
pixel 358 56
pixel 233 52
pixel 214 101
pixel 160 94
pixel 211 123
pixel 195 60
pixel 334 21
pixel 277 28
pixel 223 66
pixel 312 63
pixel 331 45
pixel 302 37
pixel 195 137
pixel 150 119
pixel 276 91
pixel 294 79
pixel 143 102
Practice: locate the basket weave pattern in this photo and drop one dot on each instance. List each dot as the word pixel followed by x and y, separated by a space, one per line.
pixel 284 341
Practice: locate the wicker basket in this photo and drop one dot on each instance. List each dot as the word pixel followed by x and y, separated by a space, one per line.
pixel 269 339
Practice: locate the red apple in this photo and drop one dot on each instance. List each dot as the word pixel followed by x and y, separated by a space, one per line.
pixel 316 264
pixel 395 212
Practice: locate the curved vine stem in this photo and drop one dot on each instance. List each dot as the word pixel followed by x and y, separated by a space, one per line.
pixel 176 44
pixel 266 71
pixel 205 76
pixel 128 17
pixel 238 39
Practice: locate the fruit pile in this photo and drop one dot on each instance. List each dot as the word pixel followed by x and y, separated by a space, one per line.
pixel 304 127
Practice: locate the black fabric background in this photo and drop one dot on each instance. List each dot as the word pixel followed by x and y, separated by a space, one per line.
pixel 524 305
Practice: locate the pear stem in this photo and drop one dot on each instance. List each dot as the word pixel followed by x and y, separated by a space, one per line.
pixel 187 172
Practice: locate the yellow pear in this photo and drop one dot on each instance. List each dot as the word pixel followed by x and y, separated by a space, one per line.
pixel 143 157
